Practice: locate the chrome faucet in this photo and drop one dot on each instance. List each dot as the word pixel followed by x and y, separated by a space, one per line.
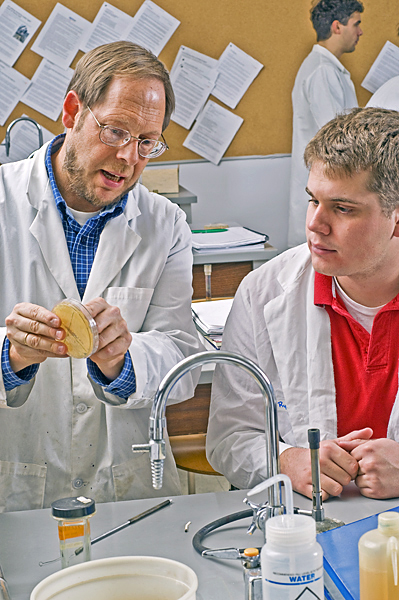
pixel 7 139
pixel 156 444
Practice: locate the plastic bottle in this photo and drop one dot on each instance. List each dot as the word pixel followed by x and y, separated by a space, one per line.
pixel 291 560
pixel 73 516
pixel 378 559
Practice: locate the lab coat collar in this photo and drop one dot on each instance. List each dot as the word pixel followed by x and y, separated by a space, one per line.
pixel 47 228
pixel 305 371
pixel 117 241
pixel 293 269
pixel 330 56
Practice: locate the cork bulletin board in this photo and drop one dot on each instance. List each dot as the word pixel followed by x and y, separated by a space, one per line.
pixel 277 33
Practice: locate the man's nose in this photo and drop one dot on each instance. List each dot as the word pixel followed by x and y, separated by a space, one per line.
pixel 317 220
pixel 129 152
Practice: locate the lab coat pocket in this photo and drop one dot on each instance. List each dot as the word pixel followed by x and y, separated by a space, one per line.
pixel 132 302
pixel 21 486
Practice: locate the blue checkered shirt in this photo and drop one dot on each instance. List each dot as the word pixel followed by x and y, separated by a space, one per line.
pixel 82 242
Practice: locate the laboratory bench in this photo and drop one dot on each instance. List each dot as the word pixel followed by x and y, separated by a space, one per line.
pixel 27 537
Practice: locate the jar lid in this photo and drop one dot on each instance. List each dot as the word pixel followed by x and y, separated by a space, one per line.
pixel 81 329
pixel 73 507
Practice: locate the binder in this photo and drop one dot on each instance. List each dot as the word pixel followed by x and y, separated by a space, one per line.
pixel 341 557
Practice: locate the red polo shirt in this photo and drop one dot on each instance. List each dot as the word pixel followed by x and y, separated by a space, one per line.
pixel 365 366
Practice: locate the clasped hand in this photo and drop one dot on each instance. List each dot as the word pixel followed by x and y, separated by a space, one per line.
pixel 372 464
pixel 35 334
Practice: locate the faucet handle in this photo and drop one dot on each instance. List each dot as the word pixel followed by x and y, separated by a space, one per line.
pixel 258 515
pixel 140 448
pixel 156 448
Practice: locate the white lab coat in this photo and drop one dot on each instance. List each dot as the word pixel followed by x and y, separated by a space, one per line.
pixel 323 88
pixel 387 96
pixel 61 434
pixel 275 323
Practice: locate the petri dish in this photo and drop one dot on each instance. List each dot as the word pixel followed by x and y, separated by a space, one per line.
pixel 81 330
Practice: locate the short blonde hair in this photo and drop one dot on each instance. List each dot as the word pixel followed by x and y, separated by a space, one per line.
pixel 365 139
pixel 96 69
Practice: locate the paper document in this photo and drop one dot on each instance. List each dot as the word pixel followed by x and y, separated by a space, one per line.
pixel 61 36
pixel 24 140
pixel 237 70
pixel 47 89
pixel 108 26
pixel 152 27
pixel 16 29
pixel 234 237
pixel 210 318
pixel 12 86
pixel 193 77
pixel 230 250
pixel 213 132
pixel 212 314
pixel 385 66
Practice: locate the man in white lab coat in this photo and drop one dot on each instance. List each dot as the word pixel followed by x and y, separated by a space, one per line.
pixel 323 88
pixel 76 223
pixel 322 321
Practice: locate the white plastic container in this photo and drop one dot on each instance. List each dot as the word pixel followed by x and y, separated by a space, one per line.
pixel 120 578
pixel 291 560
pixel 378 559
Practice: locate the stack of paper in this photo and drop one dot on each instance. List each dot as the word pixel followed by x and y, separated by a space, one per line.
pixel 210 318
pixel 233 237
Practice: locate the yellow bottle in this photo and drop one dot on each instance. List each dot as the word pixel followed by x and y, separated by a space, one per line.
pixel 378 560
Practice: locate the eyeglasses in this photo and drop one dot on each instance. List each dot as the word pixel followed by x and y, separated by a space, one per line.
pixel 113 136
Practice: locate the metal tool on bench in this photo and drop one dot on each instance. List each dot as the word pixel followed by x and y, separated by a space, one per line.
pixel 101 537
pixel 323 523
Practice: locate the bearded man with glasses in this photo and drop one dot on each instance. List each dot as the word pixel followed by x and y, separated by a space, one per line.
pixel 76 223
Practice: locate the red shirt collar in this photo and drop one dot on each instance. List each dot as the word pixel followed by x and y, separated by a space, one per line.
pixel 323 289
pixel 323 293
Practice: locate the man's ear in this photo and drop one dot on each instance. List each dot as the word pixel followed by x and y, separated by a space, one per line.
pixel 336 27
pixel 396 227
pixel 71 109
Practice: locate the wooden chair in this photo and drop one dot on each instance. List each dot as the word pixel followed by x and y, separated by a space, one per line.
pixel 187 425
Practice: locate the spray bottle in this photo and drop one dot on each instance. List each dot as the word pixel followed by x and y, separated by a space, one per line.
pixel 378 559
pixel 291 560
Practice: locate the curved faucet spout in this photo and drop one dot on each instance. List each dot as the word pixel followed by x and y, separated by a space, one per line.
pixel 7 139
pixel 156 443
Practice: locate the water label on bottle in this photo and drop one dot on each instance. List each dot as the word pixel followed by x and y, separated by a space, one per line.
pixel 294 586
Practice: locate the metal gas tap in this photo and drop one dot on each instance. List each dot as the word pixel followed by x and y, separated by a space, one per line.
pixel 156 444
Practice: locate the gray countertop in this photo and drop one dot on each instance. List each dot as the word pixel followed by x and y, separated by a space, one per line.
pixel 28 537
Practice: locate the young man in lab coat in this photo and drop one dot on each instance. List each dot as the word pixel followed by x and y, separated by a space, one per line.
pixel 75 223
pixel 322 321
pixel 323 89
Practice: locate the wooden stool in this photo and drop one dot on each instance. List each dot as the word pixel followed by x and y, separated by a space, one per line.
pixel 189 453
pixel 187 424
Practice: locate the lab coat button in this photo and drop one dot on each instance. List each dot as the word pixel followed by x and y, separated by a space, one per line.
pixel 77 483
pixel 81 408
